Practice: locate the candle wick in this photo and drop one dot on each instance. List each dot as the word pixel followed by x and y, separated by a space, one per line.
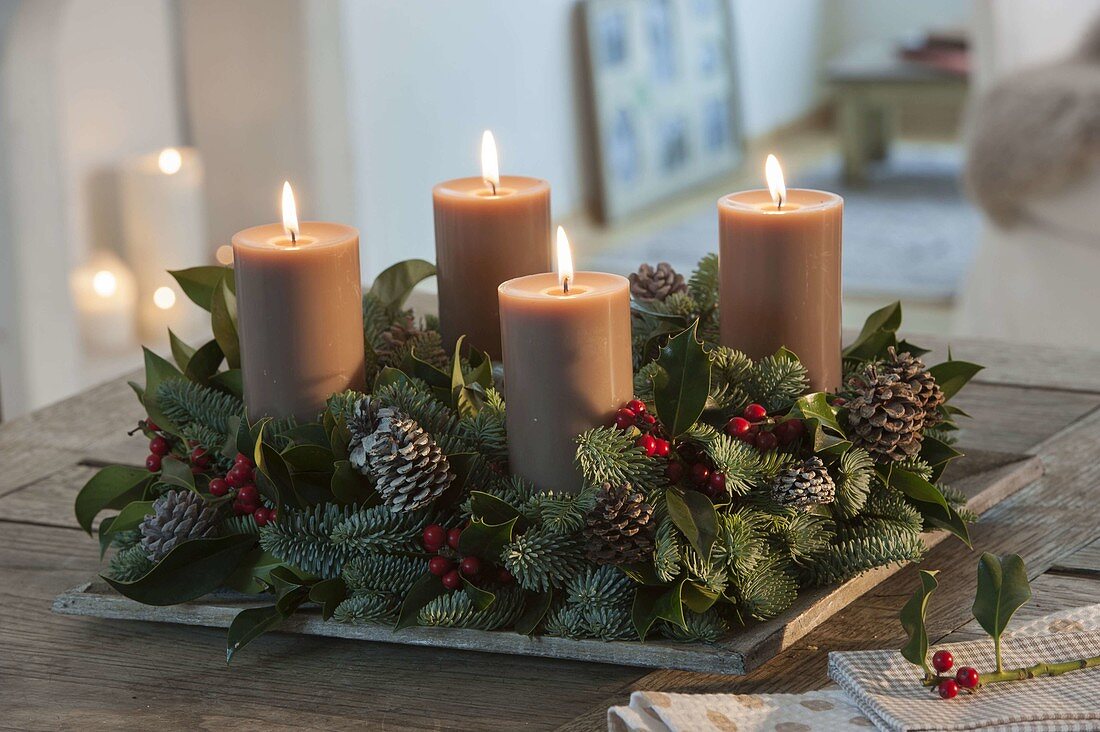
pixel 493 185
pixel 565 285
pixel 293 238
pixel 779 203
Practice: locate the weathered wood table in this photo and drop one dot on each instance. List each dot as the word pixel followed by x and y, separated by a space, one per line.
pixel 59 672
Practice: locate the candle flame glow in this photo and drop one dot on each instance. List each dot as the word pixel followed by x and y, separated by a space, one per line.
pixel 164 298
pixel 170 161
pixel 490 168
pixel 104 283
pixel 565 261
pixel 290 212
pixel 774 174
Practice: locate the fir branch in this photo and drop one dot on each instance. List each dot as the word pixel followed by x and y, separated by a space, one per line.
pixel 803 535
pixel 643 382
pixel 739 462
pixel 540 559
pixel 609 622
pixel 455 610
pixel 703 283
pixel 377 319
pixel 729 371
pixel 666 555
pixel 565 620
pixel 855 470
pixel 708 627
pixel 367 607
pixel 916 466
pixel 740 542
pixel 378 529
pixel 886 504
pixel 709 573
pixel 767 590
pixel 866 549
pixel 382 573
pixel 421 405
pixel 485 433
pixel 603 586
pixel 126 539
pixel 302 539
pixel 776 381
pixel 240 525
pixel 560 513
pixel 342 405
pixel 608 455
pixel 129 564
pixel 185 402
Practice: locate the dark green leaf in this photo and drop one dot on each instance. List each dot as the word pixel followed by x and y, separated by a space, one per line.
pixel 253 573
pixel 491 509
pixel 480 539
pixel 105 535
pixel 156 371
pixel 694 515
pixel 937 454
pixel 178 474
pixel 947 519
pixel 248 625
pixel 879 332
pixel 651 603
pixel 190 571
pixel 395 283
pixel 280 484
pixel 311 433
pixel 913 486
pixel 204 363
pixel 181 352
pixel 112 487
pixel 1003 588
pixel 129 517
pixel 817 407
pixel 389 376
pixel 328 594
pixel 678 322
pixel 699 599
pixel 533 612
pixel 223 321
pixel 951 376
pixel 913 350
pixel 199 283
pixel 913 614
pixel 309 458
pixel 423 591
pixel 481 599
pixel 349 486
pixel 230 382
pixel 681 387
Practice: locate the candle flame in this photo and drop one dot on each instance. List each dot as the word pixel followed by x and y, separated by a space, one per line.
pixel 774 174
pixel 164 298
pixel 104 283
pixel 490 168
pixel 565 261
pixel 290 213
pixel 170 161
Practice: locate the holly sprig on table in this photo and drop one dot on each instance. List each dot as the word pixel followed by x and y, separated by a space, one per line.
pixel 1003 588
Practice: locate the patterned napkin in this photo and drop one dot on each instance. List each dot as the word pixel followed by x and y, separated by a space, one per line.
pixel 888 696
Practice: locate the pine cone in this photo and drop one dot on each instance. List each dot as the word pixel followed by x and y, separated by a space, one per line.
pixel 405 337
pixel 361 425
pixel 408 467
pixel 620 528
pixel 912 371
pixel 656 284
pixel 177 517
pixel 805 484
pixel 885 415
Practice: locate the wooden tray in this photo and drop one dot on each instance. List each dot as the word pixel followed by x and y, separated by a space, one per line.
pixel 986 477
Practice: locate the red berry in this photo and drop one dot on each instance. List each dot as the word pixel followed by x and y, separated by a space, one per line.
pixel 234 479
pixel 242 459
pixel 159 446
pixel 504 576
pixel 738 427
pixel 271 515
pixel 260 516
pixel 717 482
pixel 434 537
pixel 439 566
pixel 243 471
pixel 624 418
pixel 649 419
pixel 240 509
pixel 967 677
pixel 674 472
pixel 248 494
pixel 453 537
pixel 700 473
pixel 755 413
pixel 766 441
pixel 152 463
pixel 218 487
pixel 942 661
pixel 839 402
pixel 789 431
pixel 948 689
pixel 636 405
pixel 151 426
pixel 662 448
pixel 247 506
pixel 649 444
pixel 200 458
pixel 453 580
pixel 470 566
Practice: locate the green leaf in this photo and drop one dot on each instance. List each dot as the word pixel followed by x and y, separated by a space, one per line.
pixel 252 575
pixel 913 614
pixel 678 321
pixel 191 570
pixel 694 515
pixel 492 510
pixel 951 376
pixel 389 376
pixel 651 603
pixel 349 486
pixel 204 363
pixel 947 519
pixel 913 350
pixel 229 381
pixel 181 352
pixel 879 333
pixel 199 283
pixel 328 594
pixel 112 487
pixel 913 486
pixel 280 484
pixel 424 590
pixel 223 321
pixel 480 598
pixel 698 599
pixel 156 371
pixel 105 535
pixel 176 473
pixel 681 386
pixel 309 458
pixel 937 454
pixel 533 612
pixel 480 539
pixel 395 283
pixel 1003 588
pixel 250 624
pixel 438 381
pixel 129 517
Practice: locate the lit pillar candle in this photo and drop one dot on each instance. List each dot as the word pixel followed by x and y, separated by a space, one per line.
pixel 487 230
pixel 164 227
pixel 779 254
pixel 299 313
pixel 104 293
pixel 567 365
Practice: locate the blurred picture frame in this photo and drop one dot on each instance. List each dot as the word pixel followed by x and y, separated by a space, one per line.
pixel 662 98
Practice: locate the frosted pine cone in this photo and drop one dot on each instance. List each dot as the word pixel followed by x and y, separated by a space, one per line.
pixel 805 484
pixel 408 467
pixel 177 517
pixel 656 284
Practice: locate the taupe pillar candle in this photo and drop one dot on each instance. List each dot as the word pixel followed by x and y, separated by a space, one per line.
pixel 780 278
pixel 487 230
pixel 567 368
pixel 299 313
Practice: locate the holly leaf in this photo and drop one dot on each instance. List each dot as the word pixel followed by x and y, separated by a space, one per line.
pixel 128 518
pixel 394 284
pixel 157 370
pixel 204 363
pixel 199 283
pixel 480 539
pixel 682 384
pixel 913 614
pixel 424 590
pixel 112 487
pixel 492 510
pixel 223 321
pixel 653 603
pixel 694 515
pixel 879 333
pixel 913 486
pixel 951 376
pixel 350 486
pixel 480 598
pixel 176 473
pixel 191 570
pixel 328 594
pixel 389 376
pixel 1003 588
pixel 533 612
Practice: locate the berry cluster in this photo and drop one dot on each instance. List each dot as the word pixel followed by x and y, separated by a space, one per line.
pixel 966 677
pixel 447 564
pixel 239 483
pixel 765 433
pixel 160 446
pixel 652 439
